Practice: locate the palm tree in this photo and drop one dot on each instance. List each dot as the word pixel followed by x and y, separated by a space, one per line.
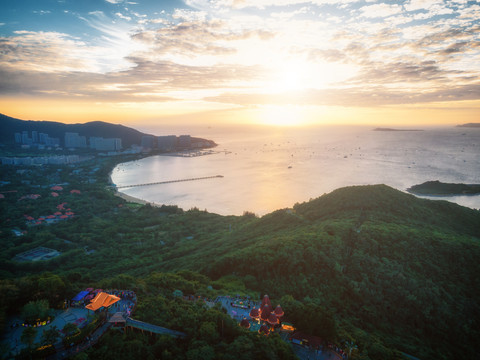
pixel 350 347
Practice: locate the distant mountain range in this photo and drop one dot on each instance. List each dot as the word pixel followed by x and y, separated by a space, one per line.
pixel 9 126
pixel 470 125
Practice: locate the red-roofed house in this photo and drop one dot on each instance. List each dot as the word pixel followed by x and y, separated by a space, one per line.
pixel 56 188
pixel 54 194
pixel 75 191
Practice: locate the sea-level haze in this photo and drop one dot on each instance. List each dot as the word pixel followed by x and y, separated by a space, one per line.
pixel 265 170
pixel 282 62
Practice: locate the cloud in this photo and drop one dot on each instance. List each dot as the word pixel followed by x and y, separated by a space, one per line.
pixel 196 37
pixel 45 52
pixel 380 10
pixel 42 12
pixel 359 96
pixel 124 17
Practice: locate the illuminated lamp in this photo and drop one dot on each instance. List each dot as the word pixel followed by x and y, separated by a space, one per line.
pixel 287 327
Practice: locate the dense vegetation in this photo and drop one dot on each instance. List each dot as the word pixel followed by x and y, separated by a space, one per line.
pixel 389 271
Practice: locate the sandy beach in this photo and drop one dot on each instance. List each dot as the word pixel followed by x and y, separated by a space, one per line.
pixel 132 199
pixel 128 198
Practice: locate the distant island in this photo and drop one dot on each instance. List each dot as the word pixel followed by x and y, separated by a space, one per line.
pixel 390 129
pixel 470 125
pixel 444 189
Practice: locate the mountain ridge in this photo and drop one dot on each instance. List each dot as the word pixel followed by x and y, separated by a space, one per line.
pixel 9 126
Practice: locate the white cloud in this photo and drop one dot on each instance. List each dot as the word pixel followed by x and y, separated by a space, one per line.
pixel 380 10
pixel 414 5
pixel 124 17
pixel 42 12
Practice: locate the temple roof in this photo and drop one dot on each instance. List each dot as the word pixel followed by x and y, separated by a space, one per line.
pixel 117 318
pixel 265 313
pixel 102 300
pixel 245 323
pixel 266 300
pixel 254 313
pixel 272 319
pixel 279 311
pixel 264 329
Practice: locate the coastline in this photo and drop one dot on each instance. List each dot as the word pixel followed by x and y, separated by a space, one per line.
pixel 132 199
pixel 127 198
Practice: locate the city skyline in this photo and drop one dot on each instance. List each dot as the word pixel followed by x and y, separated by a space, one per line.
pixel 287 62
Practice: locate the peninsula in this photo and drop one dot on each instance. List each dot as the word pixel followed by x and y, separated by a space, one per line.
pixel 470 125
pixel 444 189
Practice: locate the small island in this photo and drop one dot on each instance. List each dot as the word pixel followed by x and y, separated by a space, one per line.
pixel 470 125
pixel 444 189
pixel 390 129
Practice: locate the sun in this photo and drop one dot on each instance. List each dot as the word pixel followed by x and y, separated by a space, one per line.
pixel 291 76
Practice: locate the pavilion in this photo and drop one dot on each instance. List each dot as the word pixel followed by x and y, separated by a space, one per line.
pixel 267 315
pixel 102 299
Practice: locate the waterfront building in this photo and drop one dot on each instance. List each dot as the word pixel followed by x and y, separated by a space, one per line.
pixel 73 140
pixel 167 143
pixel 184 141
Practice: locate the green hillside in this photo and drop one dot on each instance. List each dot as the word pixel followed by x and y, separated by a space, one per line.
pixel 370 264
pixel 393 270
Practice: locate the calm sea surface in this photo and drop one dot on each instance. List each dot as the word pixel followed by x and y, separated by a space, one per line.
pixel 265 169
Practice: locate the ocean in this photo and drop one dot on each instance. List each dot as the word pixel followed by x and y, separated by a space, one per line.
pixel 266 168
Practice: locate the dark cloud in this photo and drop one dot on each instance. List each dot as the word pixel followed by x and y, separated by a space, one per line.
pixel 402 72
pixel 146 81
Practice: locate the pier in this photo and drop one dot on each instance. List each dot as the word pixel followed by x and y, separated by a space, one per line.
pixel 170 181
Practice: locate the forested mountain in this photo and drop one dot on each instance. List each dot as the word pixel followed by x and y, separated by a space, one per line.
pixel 391 272
pixel 9 126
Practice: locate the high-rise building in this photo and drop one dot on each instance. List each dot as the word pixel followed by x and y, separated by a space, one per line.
pixel 148 141
pixel 73 140
pixel 167 143
pixel 35 137
pixel 184 141
pixel 111 144
pixel 25 139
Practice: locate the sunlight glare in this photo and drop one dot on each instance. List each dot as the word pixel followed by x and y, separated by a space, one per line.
pixel 289 115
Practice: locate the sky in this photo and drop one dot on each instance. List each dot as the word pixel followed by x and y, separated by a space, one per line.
pixel 282 62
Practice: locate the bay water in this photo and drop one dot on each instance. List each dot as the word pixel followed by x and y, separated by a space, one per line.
pixel 267 168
